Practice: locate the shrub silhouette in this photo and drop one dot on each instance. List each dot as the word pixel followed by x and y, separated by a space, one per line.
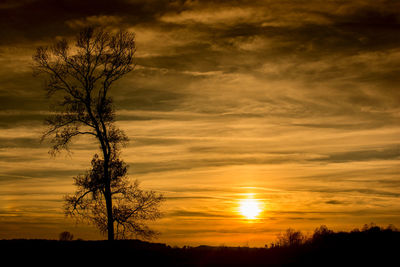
pixel 66 236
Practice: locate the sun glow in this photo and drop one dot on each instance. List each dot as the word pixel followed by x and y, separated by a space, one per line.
pixel 250 208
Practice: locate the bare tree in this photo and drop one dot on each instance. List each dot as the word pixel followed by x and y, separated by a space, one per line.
pixel 290 238
pixel 80 77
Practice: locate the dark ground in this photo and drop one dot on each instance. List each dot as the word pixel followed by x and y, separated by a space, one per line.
pixel 373 246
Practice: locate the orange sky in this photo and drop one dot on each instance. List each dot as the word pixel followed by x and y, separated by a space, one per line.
pixel 294 104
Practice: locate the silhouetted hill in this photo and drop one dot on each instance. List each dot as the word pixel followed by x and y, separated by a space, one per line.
pixel 372 246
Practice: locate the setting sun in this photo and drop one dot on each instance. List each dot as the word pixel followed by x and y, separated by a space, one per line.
pixel 250 208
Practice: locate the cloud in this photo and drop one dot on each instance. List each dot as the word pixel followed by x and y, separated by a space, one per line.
pixel 335 202
pixel 391 153
pixel 225 15
pixel 196 214
pixel 94 21
pixel 362 191
pixel 20 142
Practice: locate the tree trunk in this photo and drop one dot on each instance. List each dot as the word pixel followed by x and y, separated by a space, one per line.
pixel 108 198
pixel 110 219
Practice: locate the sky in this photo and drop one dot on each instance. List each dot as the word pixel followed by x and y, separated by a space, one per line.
pixel 294 104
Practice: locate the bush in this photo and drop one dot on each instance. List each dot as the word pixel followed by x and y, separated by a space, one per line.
pixel 66 236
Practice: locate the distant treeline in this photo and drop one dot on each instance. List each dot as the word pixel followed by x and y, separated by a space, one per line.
pixel 370 246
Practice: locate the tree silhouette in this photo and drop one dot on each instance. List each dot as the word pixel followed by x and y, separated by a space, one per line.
pixel 290 238
pixel 80 77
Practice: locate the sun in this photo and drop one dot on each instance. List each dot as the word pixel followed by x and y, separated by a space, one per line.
pixel 250 208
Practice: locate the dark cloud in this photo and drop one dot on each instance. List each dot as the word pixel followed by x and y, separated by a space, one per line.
pixel 187 198
pixel 146 141
pixel 347 126
pixel 390 153
pixel 194 214
pixel 21 119
pixel 307 219
pixel 335 202
pixel 202 162
pixel 28 173
pixel 41 19
pixel 22 142
pixel 390 192
pixel 150 100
